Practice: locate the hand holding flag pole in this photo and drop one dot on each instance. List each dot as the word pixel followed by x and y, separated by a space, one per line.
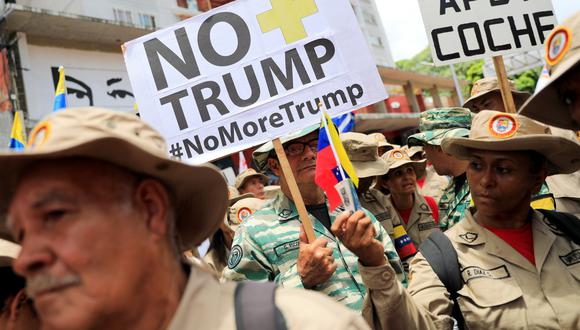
pixel 294 191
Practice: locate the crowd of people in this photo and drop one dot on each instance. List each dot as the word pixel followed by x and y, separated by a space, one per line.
pixel 472 224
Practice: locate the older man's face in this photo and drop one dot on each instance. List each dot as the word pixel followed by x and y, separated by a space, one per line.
pixel 303 164
pixel 85 246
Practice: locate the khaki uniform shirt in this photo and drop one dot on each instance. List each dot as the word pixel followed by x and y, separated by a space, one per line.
pixel 502 289
pixel 207 304
pixel 421 222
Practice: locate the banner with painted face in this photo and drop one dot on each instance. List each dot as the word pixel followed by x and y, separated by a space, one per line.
pixel 466 30
pixel 249 72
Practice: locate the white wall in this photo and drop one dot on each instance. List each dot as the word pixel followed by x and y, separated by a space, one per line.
pixel 91 68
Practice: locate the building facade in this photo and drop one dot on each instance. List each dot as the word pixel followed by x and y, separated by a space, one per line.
pixel 370 22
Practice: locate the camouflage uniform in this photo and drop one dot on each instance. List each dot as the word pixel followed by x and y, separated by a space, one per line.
pixel 452 206
pixel 435 125
pixel 266 248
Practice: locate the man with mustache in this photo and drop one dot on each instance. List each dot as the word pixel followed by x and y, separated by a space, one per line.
pixel 271 244
pixel 103 217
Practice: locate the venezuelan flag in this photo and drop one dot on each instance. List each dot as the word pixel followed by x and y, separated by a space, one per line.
pixel 403 243
pixel 60 94
pixel 328 172
pixel 18 135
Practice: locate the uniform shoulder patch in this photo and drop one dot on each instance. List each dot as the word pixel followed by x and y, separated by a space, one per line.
pixel 235 256
pixel 469 237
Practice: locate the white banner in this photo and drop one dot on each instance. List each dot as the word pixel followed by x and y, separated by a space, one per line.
pixel 249 72
pixel 465 30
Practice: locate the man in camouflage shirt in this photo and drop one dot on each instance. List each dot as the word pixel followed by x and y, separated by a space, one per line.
pixel 271 244
pixel 434 126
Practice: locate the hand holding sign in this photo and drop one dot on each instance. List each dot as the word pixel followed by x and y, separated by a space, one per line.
pixel 315 263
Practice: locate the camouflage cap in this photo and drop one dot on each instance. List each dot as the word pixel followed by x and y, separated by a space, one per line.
pixel 562 55
pixel 436 124
pixel 261 154
pixel 488 85
pixel 363 152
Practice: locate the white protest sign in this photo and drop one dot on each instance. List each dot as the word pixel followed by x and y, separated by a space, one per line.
pixel 249 72
pixel 465 30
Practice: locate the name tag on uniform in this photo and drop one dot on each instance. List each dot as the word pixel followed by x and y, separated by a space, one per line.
pixel 427 225
pixel 472 272
pixel 286 247
pixel 571 258
pixel 383 216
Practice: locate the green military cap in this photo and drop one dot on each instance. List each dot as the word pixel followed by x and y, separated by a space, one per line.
pixel 437 124
pixel 261 154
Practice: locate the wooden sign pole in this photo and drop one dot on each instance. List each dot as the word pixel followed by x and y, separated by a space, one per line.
pixel 506 91
pixel 294 191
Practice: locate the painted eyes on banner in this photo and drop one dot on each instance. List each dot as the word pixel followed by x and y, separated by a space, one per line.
pixel 119 93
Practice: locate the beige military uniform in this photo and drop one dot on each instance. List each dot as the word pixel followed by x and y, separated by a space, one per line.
pixel 502 289
pixel 421 222
pixel 207 304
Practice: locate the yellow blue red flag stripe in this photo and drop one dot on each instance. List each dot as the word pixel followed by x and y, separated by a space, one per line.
pixel 60 94
pixel 18 135
pixel 328 172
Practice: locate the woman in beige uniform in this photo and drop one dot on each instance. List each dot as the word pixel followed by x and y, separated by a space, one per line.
pixel 417 214
pixel 519 270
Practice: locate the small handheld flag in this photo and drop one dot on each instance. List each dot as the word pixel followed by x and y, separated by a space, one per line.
pixel 332 163
pixel 403 243
pixel 18 135
pixel 60 93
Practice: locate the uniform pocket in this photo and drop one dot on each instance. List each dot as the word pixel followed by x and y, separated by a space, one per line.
pixel 491 298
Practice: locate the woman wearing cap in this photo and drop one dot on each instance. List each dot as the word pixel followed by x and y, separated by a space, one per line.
pixel 417 214
pixel 517 267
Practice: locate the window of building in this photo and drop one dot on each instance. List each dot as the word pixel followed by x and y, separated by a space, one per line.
pixel 147 21
pixel 369 18
pixel 123 16
pixel 375 41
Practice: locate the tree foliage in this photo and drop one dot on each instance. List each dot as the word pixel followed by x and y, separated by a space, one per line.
pixel 469 71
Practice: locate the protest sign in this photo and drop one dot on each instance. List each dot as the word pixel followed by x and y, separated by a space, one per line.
pixel 464 30
pixel 249 72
